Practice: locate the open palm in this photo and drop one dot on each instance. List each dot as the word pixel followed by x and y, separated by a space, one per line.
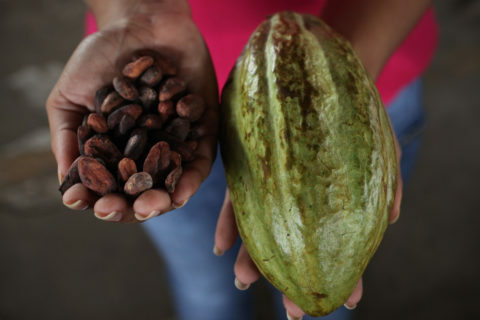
pixel 95 62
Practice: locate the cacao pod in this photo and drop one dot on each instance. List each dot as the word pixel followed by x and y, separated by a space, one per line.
pixel 309 158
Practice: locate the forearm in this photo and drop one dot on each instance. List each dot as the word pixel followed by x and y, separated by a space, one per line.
pixel 107 12
pixel 374 27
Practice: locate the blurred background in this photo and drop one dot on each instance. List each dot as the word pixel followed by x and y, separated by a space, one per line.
pixel 58 264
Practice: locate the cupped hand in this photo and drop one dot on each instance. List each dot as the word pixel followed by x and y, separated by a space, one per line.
pixel 245 269
pixel 94 63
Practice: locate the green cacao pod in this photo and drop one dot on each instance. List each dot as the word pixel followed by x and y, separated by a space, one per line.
pixel 309 158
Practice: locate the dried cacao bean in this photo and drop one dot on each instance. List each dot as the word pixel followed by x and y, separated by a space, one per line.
pixel 83 133
pixel 151 121
pixel 100 96
pixel 97 123
pixel 151 77
pixel 134 69
pixel 126 168
pixel 191 107
pixel 175 159
pixel 72 177
pixel 126 124
pixel 125 88
pixel 148 97
pixel 171 89
pixel 157 160
pixel 172 179
pixel 100 146
pixel 111 102
pixel 136 144
pixel 133 110
pixel 166 109
pixel 179 128
pixel 138 183
pixel 95 176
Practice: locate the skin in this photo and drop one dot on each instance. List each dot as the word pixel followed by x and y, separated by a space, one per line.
pixel 127 25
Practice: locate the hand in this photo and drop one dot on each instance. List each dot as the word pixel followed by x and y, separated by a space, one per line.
pixel 245 269
pixel 94 63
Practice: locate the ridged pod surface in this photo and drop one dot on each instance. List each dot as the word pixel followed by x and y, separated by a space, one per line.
pixel 309 158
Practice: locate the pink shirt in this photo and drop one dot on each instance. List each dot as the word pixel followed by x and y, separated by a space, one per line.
pixel 227 25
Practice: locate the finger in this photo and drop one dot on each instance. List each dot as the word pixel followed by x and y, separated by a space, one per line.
pixel 151 203
pixel 64 119
pixel 395 214
pixel 195 172
pixel 77 197
pixel 113 207
pixel 355 297
pixel 226 233
pixel 245 270
pixel 293 311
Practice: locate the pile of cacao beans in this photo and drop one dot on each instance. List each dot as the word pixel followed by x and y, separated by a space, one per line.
pixel 141 134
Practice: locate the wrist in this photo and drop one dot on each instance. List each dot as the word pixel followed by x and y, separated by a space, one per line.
pixel 114 12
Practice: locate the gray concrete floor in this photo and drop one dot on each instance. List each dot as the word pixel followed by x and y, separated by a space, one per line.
pixel 56 264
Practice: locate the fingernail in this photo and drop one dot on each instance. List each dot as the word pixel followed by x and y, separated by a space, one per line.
pixel 350 307
pixel 152 214
pixel 77 205
pixel 396 218
pixel 60 176
pixel 114 216
pixel 180 204
pixel 217 251
pixel 289 317
pixel 241 286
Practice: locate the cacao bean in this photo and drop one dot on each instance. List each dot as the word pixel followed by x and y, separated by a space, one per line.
pixel 100 146
pixel 72 177
pixel 148 97
pixel 111 102
pixel 171 89
pixel 151 121
pixel 166 109
pixel 136 144
pixel 151 77
pixel 134 69
pixel 125 88
pixel 191 107
pixel 97 123
pixel 133 110
pixel 95 176
pixel 126 168
pixel 175 159
pixel 172 179
pixel 126 124
pixel 179 128
pixel 100 96
pixel 157 160
pixel 83 133
pixel 138 183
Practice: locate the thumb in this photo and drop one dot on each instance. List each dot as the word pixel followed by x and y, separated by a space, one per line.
pixel 64 118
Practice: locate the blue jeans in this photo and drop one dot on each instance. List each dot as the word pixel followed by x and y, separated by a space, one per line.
pixel 201 283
